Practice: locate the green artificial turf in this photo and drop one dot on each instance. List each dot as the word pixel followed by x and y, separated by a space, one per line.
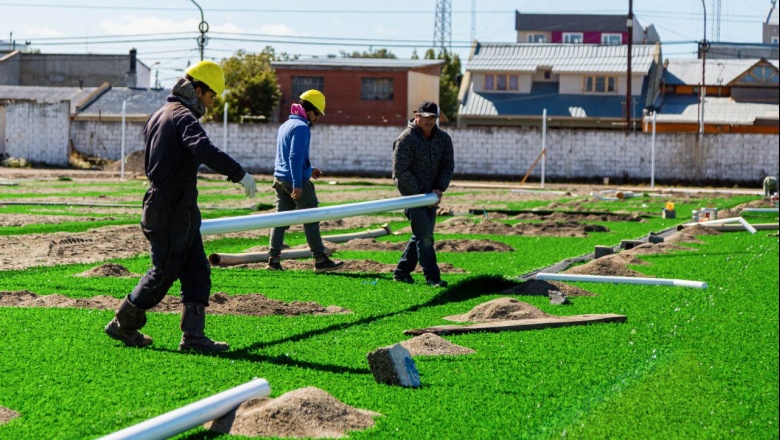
pixel 687 363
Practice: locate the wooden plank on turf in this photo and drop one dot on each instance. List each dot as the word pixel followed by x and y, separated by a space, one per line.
pixel 520 324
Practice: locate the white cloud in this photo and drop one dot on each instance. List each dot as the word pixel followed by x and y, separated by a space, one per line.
pixel 35 32
pixel 279 30
pixel 133 25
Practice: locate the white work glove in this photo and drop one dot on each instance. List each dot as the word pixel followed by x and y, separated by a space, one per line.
pixel 250 187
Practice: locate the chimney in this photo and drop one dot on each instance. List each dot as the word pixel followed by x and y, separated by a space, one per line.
pixel 131 77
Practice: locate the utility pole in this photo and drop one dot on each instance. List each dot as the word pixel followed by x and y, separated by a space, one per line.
pixel 630 26
pixel 704 46
pixel 203 27
pixel 442 32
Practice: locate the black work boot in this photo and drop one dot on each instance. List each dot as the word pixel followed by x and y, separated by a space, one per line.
pixel 324 264
pixel 274 263
pixel 125 325
pixel 193 322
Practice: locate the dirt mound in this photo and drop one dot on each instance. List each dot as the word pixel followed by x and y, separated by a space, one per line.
pixel 558 229
pixel 6 415
pixel 31 219
pixel 306 412
pixel 688 235
pixel 220 304
pixel 108 270
pixel 552 229
pixel 611 265
pixel 543 288
pixel 701 230
pixel 430 344
pixel 370 244
pixel 134 163
pixel 95 245
pixel 501 309
pixel 362 266
pixel 657 248
pixel 472 246
pixel 577 216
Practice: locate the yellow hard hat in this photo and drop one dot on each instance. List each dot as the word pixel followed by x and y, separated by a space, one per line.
pixel 316 98
pixel 209 73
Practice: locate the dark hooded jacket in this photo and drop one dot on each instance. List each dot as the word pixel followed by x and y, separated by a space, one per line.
pixel 176 144
pixel 421 165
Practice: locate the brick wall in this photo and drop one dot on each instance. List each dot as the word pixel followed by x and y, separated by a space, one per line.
pixel 38 132
pixel 489 152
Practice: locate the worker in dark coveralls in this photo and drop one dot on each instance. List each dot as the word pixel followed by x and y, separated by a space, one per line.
pixel 176 146
pixel 423 162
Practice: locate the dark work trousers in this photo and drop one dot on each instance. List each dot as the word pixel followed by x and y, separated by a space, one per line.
pixel 171 223
pixel 285 202
pixel 420 246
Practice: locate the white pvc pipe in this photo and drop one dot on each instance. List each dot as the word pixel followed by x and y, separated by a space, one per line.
pixel 276 219
pixel 620 280
pixel 224 128
pixel 122 148
pixel 723 221
pixel 761 210
pixel 544 142
pixel 652 155
pixel 194 414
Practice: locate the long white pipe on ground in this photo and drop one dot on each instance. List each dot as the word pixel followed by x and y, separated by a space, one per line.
pixel 260 257
pixel 275 219
pixel 620 280
pixel 723 221
pixel 368 233
pixel 774 210
pixel 194 414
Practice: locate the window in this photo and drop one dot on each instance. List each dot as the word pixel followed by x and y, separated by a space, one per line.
pixel 537 38
pixel 760 75
pixel 376 89
pixel 489 82
pixel 775 40
pixel 600 84
pixel 301 84
pixel 572 38
pixel 614 39
pixel 501 82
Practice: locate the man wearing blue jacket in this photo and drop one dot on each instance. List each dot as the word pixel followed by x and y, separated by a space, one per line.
pixel 292 179
pixel 176 146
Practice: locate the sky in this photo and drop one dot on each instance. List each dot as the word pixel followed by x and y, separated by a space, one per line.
pixel 165 34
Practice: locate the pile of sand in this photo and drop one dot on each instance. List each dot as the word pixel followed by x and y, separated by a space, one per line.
pixel 108 270
pixel 6 415
pixel 430 344
pixel 610 265
pixel 501 309
pixel 543 288
pixel 306 412
pixel 220 304
pixel 359 266
pixel 657 248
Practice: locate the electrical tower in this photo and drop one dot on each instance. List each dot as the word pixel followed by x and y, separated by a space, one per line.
pixel 442 32
pixel 716 21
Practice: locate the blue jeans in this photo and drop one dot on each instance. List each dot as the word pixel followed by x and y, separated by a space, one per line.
pixel 420 246
pixel 284 202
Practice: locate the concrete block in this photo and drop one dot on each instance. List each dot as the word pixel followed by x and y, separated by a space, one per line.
pixel 602 251
pixel 394 365
pixel 630 244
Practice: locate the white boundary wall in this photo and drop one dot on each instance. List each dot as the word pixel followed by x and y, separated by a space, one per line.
pixel 38 132
pixel 498 152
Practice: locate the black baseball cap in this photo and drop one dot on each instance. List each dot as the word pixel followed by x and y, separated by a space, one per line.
pixel 428 109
